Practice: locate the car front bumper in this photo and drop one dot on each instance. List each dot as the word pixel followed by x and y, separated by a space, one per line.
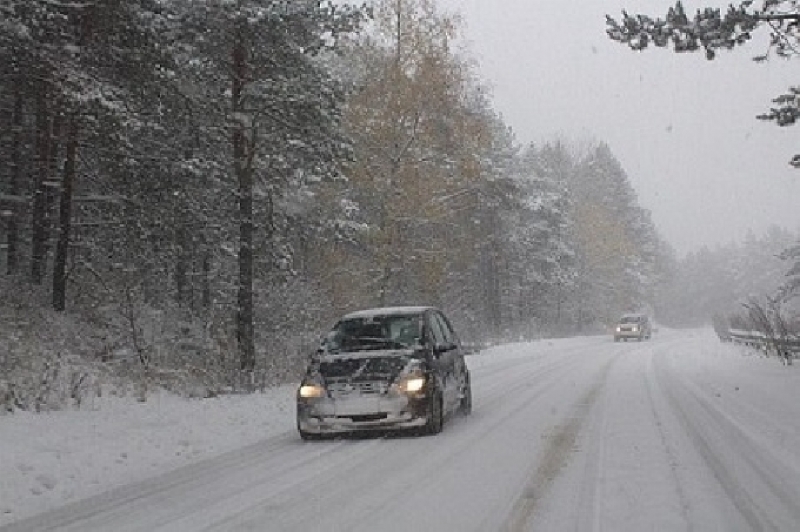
pixel 356 414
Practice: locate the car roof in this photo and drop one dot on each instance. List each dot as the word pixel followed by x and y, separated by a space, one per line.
pixel 386 311
pixel 634 315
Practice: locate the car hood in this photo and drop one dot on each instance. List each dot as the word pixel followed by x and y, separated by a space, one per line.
pixel 382 365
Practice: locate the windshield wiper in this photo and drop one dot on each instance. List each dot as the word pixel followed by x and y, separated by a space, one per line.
pixel 383 342
pixel 365 343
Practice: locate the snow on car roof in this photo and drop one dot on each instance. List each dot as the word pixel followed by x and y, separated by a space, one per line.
pixel 633 318
pixel 383 311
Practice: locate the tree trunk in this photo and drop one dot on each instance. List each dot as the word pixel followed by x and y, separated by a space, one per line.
pixel 65 219
pixel 39 221
pixel 244 176
pixel 489 271
pixel 51 187
pixel 181 266
pixel 206 280
pixel 12 256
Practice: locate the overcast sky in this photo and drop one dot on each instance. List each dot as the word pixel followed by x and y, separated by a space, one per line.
pixel 684 128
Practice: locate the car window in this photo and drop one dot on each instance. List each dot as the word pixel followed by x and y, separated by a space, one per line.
pixel 436 330
pixel 447 333
pixel 405 329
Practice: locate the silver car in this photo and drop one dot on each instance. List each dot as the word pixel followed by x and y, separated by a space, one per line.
pixel 633 326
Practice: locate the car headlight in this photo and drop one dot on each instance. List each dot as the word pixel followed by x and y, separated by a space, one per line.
pixel 635 328
pixel 411 383
pixel 311 391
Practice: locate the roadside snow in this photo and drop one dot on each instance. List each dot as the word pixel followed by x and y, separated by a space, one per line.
pixel 49 459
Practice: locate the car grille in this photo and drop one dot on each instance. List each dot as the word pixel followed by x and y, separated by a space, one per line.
pixel 366 418
pixel 358 388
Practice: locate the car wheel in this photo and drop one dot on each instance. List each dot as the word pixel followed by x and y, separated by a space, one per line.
pixel 435 416
pixel 466 399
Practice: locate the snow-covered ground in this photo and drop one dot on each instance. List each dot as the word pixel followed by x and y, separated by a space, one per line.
pixel 679 433
pixel 47 460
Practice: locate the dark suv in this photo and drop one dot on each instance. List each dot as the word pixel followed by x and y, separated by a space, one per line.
pixel 384 369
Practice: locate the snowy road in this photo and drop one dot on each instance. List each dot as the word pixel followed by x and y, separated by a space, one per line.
pixel 679 433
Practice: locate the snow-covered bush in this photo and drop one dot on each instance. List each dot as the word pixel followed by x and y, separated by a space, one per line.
pixel 118 343
pixel 47 359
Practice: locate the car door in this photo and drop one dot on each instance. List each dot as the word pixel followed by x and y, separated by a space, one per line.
pixel 448 353
pixel 433 340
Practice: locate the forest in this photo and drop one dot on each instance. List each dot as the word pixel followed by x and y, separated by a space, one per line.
pixel 190 193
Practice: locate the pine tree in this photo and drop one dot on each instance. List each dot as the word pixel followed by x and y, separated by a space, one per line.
pixel 281 111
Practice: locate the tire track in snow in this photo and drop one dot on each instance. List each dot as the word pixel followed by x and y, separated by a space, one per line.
pixel 746 474
pixel 672 457
pixel 544 364
pixel 499 390
pixel 561 444
pixel 146 498
pixel 588 512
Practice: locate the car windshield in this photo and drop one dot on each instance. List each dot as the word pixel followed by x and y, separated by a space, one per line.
pixel 630 319
pixel 375 332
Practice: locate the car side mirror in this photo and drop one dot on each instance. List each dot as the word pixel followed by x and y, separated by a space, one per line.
pixel 443 348
pixel 429 351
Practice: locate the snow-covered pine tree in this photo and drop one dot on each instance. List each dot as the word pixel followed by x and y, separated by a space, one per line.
pixel 256 70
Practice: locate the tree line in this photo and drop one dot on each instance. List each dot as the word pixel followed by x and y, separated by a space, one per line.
pixel 720 281
pixel 215 181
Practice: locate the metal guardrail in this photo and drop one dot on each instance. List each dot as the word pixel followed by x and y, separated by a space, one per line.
pixel 787 347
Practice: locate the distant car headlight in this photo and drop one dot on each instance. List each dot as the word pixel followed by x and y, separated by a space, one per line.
pixel 412 383
pixel 635 328
pixel 619 329
pixel 311 391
